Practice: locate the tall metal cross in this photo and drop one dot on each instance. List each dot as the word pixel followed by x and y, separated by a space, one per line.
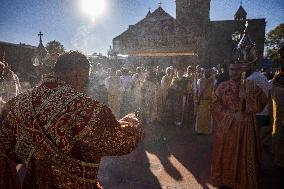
pixel 40 35
pixel 160 4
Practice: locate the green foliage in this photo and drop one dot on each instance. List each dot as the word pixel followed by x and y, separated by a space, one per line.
pixel 274 40
pixel 55 47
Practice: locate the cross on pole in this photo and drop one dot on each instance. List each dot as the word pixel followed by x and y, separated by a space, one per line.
pixel 40 35
pixel 241 2
pixel 160 4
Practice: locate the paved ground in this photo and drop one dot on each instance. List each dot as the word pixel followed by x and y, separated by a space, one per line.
pixel 171 158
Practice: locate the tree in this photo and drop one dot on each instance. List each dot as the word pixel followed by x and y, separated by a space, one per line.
pixel 274 40
pixel 55 47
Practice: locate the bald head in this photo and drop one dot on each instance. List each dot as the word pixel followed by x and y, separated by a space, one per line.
pixel 73 67
pixel 71 61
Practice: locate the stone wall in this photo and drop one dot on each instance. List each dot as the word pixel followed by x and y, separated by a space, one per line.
pixel 19 57
pixel 193 15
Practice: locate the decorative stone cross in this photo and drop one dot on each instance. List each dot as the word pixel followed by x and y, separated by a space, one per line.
pixel 40 35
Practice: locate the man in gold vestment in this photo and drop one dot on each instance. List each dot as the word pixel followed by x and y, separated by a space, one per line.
pixel 165 86
pixel 189 110
pixel 204 123
pixel 236 153
pixel 59 133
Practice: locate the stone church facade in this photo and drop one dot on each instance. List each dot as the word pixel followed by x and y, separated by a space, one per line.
pixel 190 38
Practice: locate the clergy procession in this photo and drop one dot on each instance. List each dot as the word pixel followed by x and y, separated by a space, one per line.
pixel 183 121
pixel 54 134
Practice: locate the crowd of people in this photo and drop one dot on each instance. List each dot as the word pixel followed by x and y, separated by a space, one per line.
pixel 235 106
pixel 174 95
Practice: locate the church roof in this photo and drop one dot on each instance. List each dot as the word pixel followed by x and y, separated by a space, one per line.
pixel 148 14
pixel 241 12
pixel 158 14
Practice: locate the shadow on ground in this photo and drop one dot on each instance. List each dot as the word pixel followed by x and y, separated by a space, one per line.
pixel 169 157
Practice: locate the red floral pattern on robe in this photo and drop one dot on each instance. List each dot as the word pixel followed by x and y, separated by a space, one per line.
pixel 60 135
pixel 236 156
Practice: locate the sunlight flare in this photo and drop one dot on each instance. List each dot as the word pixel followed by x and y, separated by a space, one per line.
pixel 93 8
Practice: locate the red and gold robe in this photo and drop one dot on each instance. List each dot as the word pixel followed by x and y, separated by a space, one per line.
pixel 236 155
pixel 60 135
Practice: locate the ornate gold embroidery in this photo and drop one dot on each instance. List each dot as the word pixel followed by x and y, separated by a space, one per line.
pixel 82 171
pixel 88 129
pixel 66 163
pixel 24 149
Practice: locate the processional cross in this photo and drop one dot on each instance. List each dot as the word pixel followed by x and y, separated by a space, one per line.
pixel 40 35
pixel 160 4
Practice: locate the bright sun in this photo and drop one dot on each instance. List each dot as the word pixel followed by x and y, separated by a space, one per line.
pixel 93 8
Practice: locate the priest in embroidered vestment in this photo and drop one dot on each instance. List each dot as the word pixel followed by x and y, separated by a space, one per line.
pixel 149 98
pixel 204 124
pixel 165 86
pixel 59 133
pixel 190 96
pixel 277 106
pixel 236 153
pixel 177 98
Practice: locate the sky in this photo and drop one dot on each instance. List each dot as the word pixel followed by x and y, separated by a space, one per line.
pixel 67 22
